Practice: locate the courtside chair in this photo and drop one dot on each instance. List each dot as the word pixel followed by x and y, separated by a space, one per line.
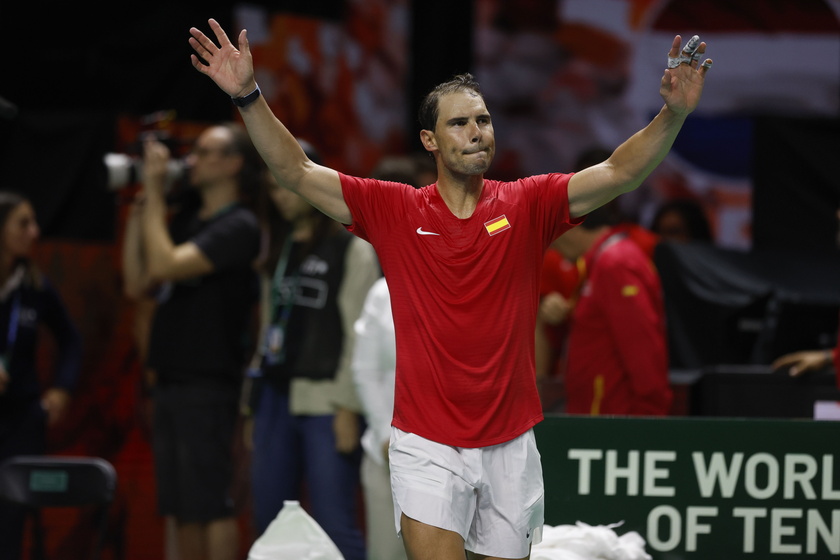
pixel 44 481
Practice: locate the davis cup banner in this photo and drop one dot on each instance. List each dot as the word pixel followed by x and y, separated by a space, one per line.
pixel 699 487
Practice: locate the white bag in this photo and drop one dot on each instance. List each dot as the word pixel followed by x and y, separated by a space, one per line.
pixel 294 535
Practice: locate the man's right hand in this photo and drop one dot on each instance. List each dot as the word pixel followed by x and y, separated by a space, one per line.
pixel 803 361
pixel 232 69
pixel 554 308
pixel 155 165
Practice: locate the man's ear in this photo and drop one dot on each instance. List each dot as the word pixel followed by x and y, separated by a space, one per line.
pixel 427 138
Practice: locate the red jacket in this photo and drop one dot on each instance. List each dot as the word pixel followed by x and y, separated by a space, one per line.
pixel 618 355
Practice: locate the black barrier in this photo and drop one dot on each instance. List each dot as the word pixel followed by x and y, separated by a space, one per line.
pixel 760 392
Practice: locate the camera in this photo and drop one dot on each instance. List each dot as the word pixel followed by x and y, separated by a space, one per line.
pixel 124 170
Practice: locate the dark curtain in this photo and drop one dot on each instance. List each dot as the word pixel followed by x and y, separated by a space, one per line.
pixel 734 307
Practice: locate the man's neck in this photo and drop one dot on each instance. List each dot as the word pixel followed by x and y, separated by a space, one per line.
pixel 461 194
pixel 303 229
pixel 216 198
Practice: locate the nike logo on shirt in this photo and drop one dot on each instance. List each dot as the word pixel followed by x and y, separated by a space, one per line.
pixel 421 232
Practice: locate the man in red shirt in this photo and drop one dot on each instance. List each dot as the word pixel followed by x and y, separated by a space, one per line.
pixel 462 257
pixel 618 355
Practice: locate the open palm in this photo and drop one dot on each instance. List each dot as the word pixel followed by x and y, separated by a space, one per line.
pixel 231 68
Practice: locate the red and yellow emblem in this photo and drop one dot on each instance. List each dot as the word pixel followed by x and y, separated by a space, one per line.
pixel 497 225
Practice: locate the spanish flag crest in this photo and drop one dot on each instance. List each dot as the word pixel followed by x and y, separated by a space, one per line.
pixel 497 225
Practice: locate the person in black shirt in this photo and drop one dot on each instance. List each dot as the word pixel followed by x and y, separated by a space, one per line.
pixel 200 269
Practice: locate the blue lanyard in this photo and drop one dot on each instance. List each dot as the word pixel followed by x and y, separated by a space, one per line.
pixel 11 335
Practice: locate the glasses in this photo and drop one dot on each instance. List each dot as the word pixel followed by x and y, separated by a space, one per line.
pixel 204 152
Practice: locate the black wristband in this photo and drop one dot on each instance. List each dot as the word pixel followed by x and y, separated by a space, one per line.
pixel 246 100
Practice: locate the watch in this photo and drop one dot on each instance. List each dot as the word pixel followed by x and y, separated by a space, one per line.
pixel 247 99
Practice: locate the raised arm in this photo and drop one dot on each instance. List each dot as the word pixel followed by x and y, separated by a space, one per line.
pixel 232 69
pixel 164 260
pixel 629 165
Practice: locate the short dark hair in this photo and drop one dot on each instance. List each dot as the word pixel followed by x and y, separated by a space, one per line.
pixel 429 108
pixel 590 157
pixel 607 215
pixel 397 169
pixel 692 213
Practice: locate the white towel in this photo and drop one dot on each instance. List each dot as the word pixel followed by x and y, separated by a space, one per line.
pixel 586 542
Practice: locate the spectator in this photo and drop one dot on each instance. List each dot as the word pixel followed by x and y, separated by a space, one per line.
pixel 681 220
pixel 617 357
pixel 804 361
pixel 306 421
pixel 200 268
pixel 28 300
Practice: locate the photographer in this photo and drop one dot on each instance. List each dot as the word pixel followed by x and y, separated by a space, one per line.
pixel 199 268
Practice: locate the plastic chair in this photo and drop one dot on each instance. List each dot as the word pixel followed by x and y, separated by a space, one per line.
pixel 41 481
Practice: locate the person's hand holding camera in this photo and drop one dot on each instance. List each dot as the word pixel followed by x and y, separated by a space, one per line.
pixel 155 166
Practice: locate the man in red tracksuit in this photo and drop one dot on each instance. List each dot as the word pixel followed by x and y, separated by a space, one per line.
pixel 618 355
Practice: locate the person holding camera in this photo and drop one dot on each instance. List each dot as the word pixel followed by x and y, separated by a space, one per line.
pixel 199 267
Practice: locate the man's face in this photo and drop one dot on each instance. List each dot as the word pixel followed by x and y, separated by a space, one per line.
pixel 572 244
pixel 291 206
pixel 21 231
pixel 211 160
pixel 463 134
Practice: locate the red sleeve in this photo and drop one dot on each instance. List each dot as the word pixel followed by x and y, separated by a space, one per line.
pixel 550 194
pixel 351 187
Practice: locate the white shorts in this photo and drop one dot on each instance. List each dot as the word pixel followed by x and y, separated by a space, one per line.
pixel 492 496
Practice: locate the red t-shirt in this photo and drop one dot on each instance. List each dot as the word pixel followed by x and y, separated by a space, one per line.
pixel 464 298
pixel 618 356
